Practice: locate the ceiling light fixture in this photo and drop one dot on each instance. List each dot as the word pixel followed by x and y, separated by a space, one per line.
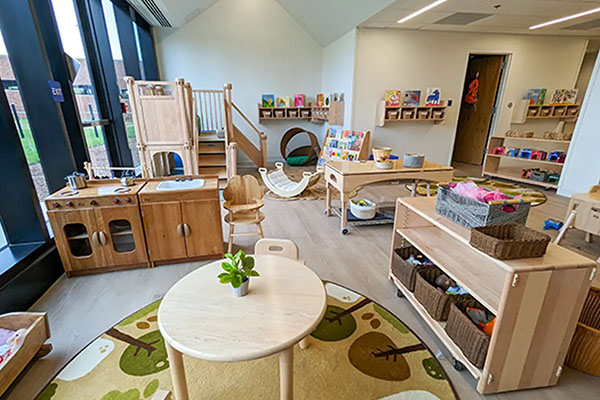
pixel 567 18
pixel 421 11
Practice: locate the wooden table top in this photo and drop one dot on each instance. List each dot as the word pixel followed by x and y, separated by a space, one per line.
pixel 369 167
pixel 202 318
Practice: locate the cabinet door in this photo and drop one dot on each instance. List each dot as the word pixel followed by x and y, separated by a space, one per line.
pixel 164 230
pixel 121 235
pixel 75 234
pixel 204 235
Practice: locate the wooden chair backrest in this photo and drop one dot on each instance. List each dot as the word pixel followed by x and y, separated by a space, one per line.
pixel 595 189
pixel 277 247
pixel 243 190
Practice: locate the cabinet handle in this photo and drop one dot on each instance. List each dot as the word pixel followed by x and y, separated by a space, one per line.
pixel 95 239
pixel 186 230
pixel 102 238
pixel 180 230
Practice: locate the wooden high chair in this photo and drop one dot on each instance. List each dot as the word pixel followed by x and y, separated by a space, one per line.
pixel 278 247
pixel 243 199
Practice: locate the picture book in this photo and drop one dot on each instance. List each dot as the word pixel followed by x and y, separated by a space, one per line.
pixel 536 97
pixel 327 100
pixel 392 98
pixel 570 96
pixel 433 97
pixel 412 98
pixel 299 100
pixel 283 101
pixel 557 96
pixel 268 100
pixel 320 100
pixel 342 144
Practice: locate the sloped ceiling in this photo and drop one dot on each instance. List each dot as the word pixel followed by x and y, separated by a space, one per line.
pixel 328 20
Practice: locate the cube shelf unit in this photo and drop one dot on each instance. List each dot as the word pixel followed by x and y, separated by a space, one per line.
pixel 492 165
pixel 536 300
pixel 524 111
pixel 334 114
pixel 415 114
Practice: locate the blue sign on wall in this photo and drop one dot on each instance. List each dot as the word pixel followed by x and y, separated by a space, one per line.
pixel 56 91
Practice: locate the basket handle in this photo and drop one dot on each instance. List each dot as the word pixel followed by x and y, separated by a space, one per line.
pixel 506 202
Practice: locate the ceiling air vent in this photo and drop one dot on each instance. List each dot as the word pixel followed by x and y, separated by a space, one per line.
pixel 585 26
pixel 462 18
pixel 158 14
pixel 152 12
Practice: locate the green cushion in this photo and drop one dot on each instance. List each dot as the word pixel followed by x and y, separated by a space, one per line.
pixel 299 160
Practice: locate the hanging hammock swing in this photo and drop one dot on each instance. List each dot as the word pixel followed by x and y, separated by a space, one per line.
pixel 279 183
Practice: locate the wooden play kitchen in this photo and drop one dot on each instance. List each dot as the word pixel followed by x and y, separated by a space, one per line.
pixel 536 301
pixel 347 177
pixel 107 226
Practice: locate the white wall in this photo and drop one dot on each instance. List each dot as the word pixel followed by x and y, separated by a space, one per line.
pixel 257 46
pixel 338 71
pixel 413 60
pixel 582 167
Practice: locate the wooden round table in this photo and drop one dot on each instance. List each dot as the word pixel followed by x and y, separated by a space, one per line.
pixel 201 318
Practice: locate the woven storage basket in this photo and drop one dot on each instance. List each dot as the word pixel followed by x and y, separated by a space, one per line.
pixel 434 299
pixel 584 353
pixel 471 213
pixel 511 241
pixel 467 336
pixel 403 270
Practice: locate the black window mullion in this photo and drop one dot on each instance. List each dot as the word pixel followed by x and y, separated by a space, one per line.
pixel 148 53
pixel 101 67
pixel 19 210
pixel 127 41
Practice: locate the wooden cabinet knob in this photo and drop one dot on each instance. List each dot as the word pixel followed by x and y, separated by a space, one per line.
pixel 186 230
pixel 102 238
pixel 180 230
pixel 95 239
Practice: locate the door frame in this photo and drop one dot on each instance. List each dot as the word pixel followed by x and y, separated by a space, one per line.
pixel 504 72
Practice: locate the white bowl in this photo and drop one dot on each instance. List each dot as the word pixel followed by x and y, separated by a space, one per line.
pixel 363 212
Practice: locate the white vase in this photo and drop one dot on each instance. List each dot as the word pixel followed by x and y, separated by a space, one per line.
pixel 243 289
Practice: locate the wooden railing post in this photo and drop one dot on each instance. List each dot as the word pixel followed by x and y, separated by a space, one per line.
pixel 263 149
pixel 231 160
pixel 227 109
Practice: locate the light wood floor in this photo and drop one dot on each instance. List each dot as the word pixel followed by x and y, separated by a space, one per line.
pixel 81 308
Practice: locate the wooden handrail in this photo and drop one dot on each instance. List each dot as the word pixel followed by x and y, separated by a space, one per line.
pixel 259 133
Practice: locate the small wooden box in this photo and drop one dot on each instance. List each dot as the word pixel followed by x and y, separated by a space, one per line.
pixel 408 114
pixel 267 114
pixel 293 113
pixel 393 114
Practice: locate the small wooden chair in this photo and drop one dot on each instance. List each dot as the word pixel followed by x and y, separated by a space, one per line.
pixel 278 247
pixel 243 199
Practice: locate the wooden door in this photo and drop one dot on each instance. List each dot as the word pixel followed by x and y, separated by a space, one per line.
pixel 76 237
pixel 164 230
pixel 122 235
pixel 474 121
pixel 204 235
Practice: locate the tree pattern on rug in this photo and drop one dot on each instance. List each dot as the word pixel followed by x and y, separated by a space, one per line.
pixel 140 363
pixel 433 368
pixel 336 325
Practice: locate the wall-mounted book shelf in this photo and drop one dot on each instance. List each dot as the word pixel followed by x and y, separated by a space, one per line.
pixel 524 111
pixel 334 114
pixel 431 114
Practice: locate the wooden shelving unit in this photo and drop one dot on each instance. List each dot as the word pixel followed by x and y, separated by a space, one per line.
pixel 334 114
pixel 493 164
pixel 431 114
pixel 534 322
pixel 553 111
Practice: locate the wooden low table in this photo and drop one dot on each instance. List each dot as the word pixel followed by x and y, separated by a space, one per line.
pixel 348 176
pixel 201 318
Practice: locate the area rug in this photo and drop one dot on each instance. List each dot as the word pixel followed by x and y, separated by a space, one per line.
pixel 358 351
pixel 536 197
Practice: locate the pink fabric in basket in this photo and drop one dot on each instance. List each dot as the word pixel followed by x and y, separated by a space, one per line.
pixel 471 190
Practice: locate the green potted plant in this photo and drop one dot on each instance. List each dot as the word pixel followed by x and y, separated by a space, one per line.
pixel 238 271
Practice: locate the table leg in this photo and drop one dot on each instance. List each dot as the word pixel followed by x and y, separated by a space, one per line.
pixel 428 189
pixel 177 373
pixel 286 374
pixel 565 227
pixel 328 199
pixel 304 343
pixel 344 217
pixel 413 192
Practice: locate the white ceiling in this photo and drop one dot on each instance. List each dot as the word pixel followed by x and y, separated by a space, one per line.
pixel 513 16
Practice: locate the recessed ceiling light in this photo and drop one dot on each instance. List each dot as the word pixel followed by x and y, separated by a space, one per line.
pixel 567 18
pixel 421 11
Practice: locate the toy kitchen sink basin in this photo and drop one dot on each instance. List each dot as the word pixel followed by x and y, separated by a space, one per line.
pixel 181 184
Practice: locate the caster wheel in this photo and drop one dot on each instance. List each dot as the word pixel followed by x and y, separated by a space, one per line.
pixel 326 213
pixel 399 293
pixel 459 366
pixel 344 231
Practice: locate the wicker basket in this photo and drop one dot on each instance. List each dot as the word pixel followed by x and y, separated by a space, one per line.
pixel 434 299
pixel 467 336
pixel 404 271
pixel 584 353
pixel 506 242
pixel 471 213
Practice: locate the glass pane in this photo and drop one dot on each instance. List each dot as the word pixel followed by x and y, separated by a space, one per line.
pixel 70 36
pixel 122 235
pixel 3 241
pixel 117 55
pixel 79 241
pixel 15 101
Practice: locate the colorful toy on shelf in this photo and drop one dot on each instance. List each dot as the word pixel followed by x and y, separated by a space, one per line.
pixel 499 150
pixel 539 155
pixel 556 156
pixel 552 224
pixel 538 175
pixel 553 178
pixel 562 158
pixel 513 152
pixel 526 153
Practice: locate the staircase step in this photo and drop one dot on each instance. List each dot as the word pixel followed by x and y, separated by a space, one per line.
pixel 211 147
pixel 221 172
pixel 212 160
pixel 210 137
